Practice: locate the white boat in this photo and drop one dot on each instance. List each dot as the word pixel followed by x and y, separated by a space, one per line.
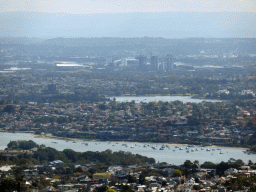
pixel 221 152
pixel 208 149
pixel 181 148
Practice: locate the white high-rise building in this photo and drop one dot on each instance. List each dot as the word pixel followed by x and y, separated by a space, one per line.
pixel 124 62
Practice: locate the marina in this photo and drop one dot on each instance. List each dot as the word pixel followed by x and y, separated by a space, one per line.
pixel 173 154
pixel 146 99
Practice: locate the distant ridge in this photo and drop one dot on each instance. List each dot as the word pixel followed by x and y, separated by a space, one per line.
pixel 146 41
pixel 148 44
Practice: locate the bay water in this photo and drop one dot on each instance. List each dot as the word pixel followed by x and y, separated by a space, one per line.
pixel 170 153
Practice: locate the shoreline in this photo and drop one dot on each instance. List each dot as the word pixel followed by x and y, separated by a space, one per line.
pixel 183 98
pixel 48 136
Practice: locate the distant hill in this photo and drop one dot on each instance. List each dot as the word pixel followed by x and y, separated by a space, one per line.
pixel 147 41
pixel 145 44
pixel 186 45
pixel 111 41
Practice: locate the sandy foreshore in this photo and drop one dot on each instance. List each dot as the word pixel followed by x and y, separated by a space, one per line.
pixel 49 136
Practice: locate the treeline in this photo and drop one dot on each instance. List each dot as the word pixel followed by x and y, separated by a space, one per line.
pixel 24 145
pixel 107 157
pixel 77 96
pixel 44 155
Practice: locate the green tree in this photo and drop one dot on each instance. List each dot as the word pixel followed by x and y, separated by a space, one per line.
pixel 188 164
pixel 102 188
pixel 63 101
pixel 176 173
pixel 164 183
pixel 8 184
pixel 13 144
pixel 142 179
pixel 132 179
pixel 221 167
pixel 126 188
pixel 110 190
pixel 208 165
pixel 9 109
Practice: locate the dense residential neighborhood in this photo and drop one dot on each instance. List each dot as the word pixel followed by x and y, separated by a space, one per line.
pixel 221 123
pixel 151 92
pixel 36 170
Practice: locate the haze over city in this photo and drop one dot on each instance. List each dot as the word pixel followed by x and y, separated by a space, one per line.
pixel 128 95
pixel 128 18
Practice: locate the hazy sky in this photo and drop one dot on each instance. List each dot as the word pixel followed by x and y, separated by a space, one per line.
pixel 126 6
pixel 128 18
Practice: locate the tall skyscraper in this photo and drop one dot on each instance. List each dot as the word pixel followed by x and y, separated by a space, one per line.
pixel 124 62
pixel 169 62
pixel 142 62
pixel 154 63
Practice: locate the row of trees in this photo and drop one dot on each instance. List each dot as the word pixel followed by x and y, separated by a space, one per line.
pixel 22 144
pixel 48 154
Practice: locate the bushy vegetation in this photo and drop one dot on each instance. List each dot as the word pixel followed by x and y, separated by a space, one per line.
pixel 48 154
pixel 107 157
pixel 24 145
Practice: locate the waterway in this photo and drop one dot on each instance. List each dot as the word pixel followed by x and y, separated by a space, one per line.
pixel 168 154
pixel 146 99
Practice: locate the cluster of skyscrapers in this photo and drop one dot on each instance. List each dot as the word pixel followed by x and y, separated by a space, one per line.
pixel 166 64
pixel 142 63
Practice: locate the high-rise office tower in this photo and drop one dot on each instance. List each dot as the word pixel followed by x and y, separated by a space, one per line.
pixel 154 63
pixel 169 62
pixel 142 62
pixel 124 62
